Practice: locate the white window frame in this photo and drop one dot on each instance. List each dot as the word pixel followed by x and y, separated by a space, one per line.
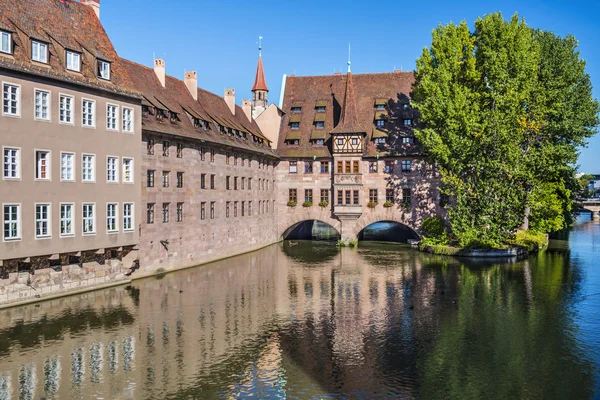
pixel 84 168
pixel 84 113
pixel 42 56
pixel 128 216
pixel 18 163
pixel 18 222
pixel 37 170
pixel 62 178
pixel 101 70
pixel 116 169
pixel 18 100
pixel 8 35
pixel 67 112
pixel 37 91
pixel 92 219
pixel 109 118
pixel 47 220
pixel 130 127
pixel 76 68
pixel 131 170
pixel 112 218
pixel 62 219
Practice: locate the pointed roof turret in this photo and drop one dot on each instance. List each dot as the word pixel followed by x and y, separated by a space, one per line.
pixel 349 117
pixel 259 82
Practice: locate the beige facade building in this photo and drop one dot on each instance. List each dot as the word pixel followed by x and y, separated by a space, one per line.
pixel 70 129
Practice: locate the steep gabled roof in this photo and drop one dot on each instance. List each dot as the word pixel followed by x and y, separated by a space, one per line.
pixel 62 25
pixel 259 81
pixel 209 106
pixel 392 89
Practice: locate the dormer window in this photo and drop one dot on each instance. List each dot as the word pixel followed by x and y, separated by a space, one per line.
pixel 73 61
pixel 5 42
pixel 104 70
pixel 294 142
pixel 319 141
pixel 319 124
pixel 380 123
pixel 380 106
pixel 296 109
pixel 380 140
pixel 320 108
pixel 39 52
pixel 407 122
pixel 295 125
pixel 173 117
pixel 408 140
pixel 197 123
pixel 160 114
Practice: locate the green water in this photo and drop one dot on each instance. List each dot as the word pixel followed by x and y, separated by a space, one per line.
pixel 311 321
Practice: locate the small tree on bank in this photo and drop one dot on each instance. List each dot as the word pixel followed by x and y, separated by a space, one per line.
pixel 503 110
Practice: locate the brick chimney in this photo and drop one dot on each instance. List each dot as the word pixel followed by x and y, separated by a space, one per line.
pixel 159 70
pixel 230 99
pixel 95 4
pixel 191 82
pixel 247 108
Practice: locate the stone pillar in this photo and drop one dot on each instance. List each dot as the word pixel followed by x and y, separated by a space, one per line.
pixel 595 216
pixel 347 229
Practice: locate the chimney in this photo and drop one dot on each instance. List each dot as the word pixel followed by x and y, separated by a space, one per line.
pixel 191 82
pixel 247 108
pixel 159 70
pixel 230 99
pixel 95 4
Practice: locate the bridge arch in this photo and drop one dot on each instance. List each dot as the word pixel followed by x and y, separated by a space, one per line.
pixel 387 231
pixel 310 229
pixel 370 219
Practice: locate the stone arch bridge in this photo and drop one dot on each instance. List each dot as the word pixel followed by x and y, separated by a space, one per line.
pixel 349 228
pixel 591 205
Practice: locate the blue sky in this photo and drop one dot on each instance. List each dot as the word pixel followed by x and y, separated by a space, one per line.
pixel 219 38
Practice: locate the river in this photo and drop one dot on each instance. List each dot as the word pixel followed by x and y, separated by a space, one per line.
pixel 305 320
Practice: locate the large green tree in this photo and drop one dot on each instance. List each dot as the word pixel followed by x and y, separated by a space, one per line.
pixel 503 110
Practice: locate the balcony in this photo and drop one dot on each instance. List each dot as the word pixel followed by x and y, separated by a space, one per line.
pixel 343 211
pixel 347 179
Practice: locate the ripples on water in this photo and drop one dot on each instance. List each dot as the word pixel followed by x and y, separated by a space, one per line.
pixel 311 321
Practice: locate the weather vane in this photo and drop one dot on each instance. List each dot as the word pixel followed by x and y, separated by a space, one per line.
pixel 259 45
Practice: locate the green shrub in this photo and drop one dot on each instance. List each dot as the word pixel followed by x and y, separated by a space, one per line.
pixel 531 240
pixel 388 204
pixel 439 249
pixel 372 204
pixel 291 204
pixel 323 204
pixel 434 231
pixel 307 204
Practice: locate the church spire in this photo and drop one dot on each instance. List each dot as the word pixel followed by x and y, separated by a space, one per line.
pixel 259 89
pixel 349 117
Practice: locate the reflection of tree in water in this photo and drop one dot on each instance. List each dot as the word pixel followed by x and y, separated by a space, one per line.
pixel 310 252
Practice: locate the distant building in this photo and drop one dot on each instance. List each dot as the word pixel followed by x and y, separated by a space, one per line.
pixel 594 186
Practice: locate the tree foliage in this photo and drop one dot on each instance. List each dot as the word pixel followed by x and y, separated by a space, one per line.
pixel 503 109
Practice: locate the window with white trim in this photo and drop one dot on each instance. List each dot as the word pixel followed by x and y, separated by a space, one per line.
pixel 104 69
pixel 5 42
pixel 127 170
pixel 111 116
pixel 42 220
pixel 66 219
pixel 67 167
pixel 42 165
pixel 87 112
pixel 112 169
pixel 66 109
pixel 88 218
pixel 88 168
pixel 127 216
pixel 73 61
pixel 42 105
pixel 12 163
pixel 127 119
pixel 39 52
pixel 10 99
pixel 111 217
pixel 12 222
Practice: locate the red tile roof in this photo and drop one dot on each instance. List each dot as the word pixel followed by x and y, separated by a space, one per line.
pixel 210 107
pixel 62 24
pixel 259 82
pixel 393 88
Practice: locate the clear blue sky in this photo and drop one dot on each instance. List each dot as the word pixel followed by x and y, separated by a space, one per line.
pixel 218 38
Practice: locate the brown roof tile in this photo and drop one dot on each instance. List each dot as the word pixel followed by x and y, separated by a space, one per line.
pixel 392 88
pixel 259 81
pixel 64 24
pixel 210 107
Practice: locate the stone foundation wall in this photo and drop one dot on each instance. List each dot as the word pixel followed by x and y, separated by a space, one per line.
pixel 40 283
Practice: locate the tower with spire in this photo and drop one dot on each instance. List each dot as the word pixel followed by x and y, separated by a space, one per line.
pixel 259 89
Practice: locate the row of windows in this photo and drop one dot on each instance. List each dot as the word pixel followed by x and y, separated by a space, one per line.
pixel 208 210
pixel 350 197
pixel 43 166
pixel 349 167
pixel 115 219
pixel 11 106
pixel 263 184
pixel 40 53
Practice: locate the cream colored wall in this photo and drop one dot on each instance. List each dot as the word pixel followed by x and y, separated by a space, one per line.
pixel 269 122
pixel 28 134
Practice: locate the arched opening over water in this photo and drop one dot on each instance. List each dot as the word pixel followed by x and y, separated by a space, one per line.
pixel 311 230
pixel 387 231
